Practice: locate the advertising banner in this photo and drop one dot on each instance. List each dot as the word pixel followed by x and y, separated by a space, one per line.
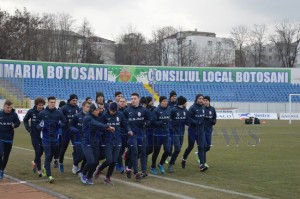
pixel 286 116
pixel 97 72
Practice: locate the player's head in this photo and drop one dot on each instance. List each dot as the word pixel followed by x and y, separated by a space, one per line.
pixel 99 97
pixel 7 106
pixel 51 102
pixel 163 101
pixel 181 101
pixel 173 96
pixel 86 106
pixel 199 99
pixel 113 108
pixel 122 102
pixel 89 99
pixel 118 96
pixel 150 100
pixel 206 101
pixel 94 110
pixel 73 99
pixel 143 102
pixel 135 99
pixel 39 103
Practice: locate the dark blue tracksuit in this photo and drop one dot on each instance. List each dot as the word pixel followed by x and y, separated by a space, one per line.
pixel 138 119
pixel 196 131
pixel 124 140
pixel 149 132
pixel 76 132
pixel 179 117
pixel 100 132
pixel 69 111
pixel 210 119
pixel 171 105
pixel 90 143
pixel 49 121
pixel 7 135
pixel 161 135
pixel 35 135
pixel 113 140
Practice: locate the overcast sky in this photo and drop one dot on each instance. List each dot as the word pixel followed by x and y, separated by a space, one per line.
pixel 109 18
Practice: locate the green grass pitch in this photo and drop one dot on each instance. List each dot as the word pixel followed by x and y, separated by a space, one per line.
pixel 261 160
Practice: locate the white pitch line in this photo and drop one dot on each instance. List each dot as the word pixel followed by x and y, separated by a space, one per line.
pixel 208 187
pixel 183 182
pixel 129 183
pixel 53 193
pixel 153 189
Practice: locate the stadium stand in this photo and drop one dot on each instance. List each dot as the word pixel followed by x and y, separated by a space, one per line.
pixel 63 88
pixel 220 92
pixel 233 92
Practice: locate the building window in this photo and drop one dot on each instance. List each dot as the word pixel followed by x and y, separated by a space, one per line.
pixel 270 50
pixel 218 44
pixel 100 47
pixel 79 42
pixel 68 52
pixel 270 57
pixel 263 49
pixel 209 43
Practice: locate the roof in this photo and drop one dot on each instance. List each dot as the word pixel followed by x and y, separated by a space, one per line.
pixel 191 33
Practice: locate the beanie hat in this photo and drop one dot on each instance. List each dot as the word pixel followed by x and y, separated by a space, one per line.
pixel 172 93
pixel 181 100
pixel 207 98
pixel 61 104
pixel 87 98
pixel 92 108
pixel 73 96
pixel 143 100
pixel 149 99
pixel 162 98
pixel 197 96
pixel 113 106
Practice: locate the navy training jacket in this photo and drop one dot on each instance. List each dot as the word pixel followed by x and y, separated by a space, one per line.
pixel 91 129
pixel 49 121
pixel 179 118
pixel 32 116
pixel 138 119
pixel 161 119
pixel 6 129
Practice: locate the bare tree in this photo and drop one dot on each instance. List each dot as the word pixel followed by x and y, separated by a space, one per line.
pixel 287 40
pixel 18 35
pixel 86 52
pixel 158 49
pixel 131 48
pixel 240 37
pixel 47 39
pixel 4 34
pixel 257 40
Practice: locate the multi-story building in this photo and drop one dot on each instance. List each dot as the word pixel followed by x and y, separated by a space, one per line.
pixel 193 48
pixel 68 46
pixel 270 57
pixel 104 48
